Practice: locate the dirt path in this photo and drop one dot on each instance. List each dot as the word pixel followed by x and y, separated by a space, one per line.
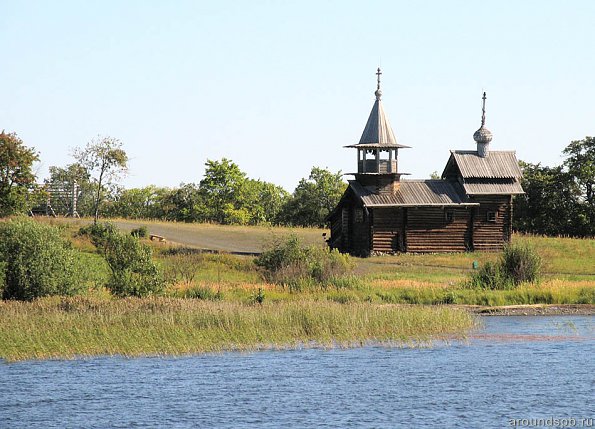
pixel 225 238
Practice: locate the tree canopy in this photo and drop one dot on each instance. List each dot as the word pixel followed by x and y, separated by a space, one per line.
pixel 314 198
pixel 16 175
pixel 560 200
pixel 105 161
pixel 580 163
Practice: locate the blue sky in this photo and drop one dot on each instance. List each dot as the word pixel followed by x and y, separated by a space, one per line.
pixel 281 86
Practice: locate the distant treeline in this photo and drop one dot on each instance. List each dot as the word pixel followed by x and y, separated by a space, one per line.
pixel 558 201
pixel 225 195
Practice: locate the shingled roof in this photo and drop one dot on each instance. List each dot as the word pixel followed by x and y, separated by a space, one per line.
pixel 378 133
pixel 492 187
pixel 496 165
pixel 413 193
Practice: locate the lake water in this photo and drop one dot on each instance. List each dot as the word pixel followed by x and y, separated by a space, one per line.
pixel 515 368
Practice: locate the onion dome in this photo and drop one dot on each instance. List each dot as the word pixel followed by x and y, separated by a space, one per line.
pixel 482 135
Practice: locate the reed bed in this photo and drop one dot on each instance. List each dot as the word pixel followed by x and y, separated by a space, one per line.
pixel 81 326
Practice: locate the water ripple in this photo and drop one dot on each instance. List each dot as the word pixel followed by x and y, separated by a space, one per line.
pixel 516 368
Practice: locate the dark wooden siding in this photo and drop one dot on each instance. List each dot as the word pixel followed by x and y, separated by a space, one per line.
pixel 387 229
pixel 350 227
pixel 428 230
pixel 335 240
pixel 421 229
pixel 492 235
pixel 360 231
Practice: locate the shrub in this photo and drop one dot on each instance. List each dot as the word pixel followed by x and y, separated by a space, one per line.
pixel 289 263
pixel 202 292
pixel 140 232
pixel 518 264
pixel 182 267
pixel 36 261
pixel 521 263
pixel 133 272
pixel 490 276
pixel 99 234
pixel 586 296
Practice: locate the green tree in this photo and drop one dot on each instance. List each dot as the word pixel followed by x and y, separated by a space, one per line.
pixel 139 203
pixel 314 198
pixel 184 204
pixel 263 201
pixel 549 205
pixel 105 161
pixel 16 176
pixel 223 189
pixel 580 163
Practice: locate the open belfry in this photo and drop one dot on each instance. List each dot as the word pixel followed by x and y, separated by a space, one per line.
pixel 468 208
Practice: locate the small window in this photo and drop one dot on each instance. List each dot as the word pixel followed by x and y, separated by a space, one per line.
pixel 449 216
pixel 359 215
pixel 492 216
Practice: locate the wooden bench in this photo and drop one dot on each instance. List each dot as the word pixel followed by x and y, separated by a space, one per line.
pixel 160 238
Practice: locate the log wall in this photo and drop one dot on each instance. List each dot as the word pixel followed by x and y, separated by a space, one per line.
pixel 490 236
pixel 360 232
pixel 428 230
pixel 335 241
pixel 422 229
pixel 387 229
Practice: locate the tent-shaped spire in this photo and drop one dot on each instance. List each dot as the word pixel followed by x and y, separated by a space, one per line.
pixel 378 132
pixel 378 129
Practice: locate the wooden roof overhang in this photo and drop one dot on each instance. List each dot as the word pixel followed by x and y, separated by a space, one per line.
pixel 498 173
pixel 496 165
pixel 492 187
pixel 414 193
pixel 395 175
pixel 377 146
pixel 423 205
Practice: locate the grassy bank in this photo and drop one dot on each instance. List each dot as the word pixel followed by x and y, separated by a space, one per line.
pixel 69 327
pixel 549 292
pixel 405 278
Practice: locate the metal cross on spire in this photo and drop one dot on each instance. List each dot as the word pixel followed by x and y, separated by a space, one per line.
pixel 378 93
pixel 483 110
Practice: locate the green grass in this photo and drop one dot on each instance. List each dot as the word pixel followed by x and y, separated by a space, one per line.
pixel 72 327
pixel 404 278
pixel 564 255
pixel 219 313
pixel 227 238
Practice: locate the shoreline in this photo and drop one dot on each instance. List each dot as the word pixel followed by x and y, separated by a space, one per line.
pixel 531 310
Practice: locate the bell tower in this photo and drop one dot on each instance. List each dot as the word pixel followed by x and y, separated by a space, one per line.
pixel 378 150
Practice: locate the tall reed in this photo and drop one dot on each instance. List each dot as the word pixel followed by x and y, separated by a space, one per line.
pixel 70 327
